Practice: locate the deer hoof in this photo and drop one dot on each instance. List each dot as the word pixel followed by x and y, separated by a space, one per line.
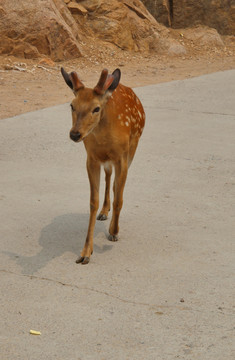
pixel 83 260
pixel 102 217
pixel 113 237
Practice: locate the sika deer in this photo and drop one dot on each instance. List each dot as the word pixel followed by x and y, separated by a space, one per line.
pixel 109 119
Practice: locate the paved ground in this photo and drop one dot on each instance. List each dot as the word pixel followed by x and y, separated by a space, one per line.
pixel 166 289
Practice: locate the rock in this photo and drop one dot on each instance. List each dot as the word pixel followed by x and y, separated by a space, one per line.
pixel 171 47
pixel 187 13
pixel 176 49
pixel 125 23
pixel 8 67
pixel 91 5
pixel 59 29
pixel 204 36
pixel 32 28
pixel 216 14
pixel 26 50
pixel 77 8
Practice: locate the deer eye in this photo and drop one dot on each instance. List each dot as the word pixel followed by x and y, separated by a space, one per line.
pixel 97 109
pixel 72 108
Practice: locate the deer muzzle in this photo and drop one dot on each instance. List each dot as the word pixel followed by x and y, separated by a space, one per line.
pixel 75 136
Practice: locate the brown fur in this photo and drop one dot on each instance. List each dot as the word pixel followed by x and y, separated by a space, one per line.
pixel 110 136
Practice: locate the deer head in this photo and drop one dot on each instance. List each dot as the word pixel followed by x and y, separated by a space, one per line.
pixel 88 105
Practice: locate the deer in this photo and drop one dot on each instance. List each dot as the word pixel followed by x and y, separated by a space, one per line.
pixel 109 119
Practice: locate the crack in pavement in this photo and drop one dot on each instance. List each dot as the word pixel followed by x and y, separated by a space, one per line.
pixel 189 111
pixel 99 292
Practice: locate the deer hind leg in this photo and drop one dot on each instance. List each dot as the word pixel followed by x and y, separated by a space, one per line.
pixel 132 150
pixel 93 169
pixel 119 184
pixel 103 215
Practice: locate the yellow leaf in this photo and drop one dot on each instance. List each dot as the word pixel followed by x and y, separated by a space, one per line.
pixel 34 332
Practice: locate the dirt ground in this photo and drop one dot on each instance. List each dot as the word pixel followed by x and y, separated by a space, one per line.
pixel 28 85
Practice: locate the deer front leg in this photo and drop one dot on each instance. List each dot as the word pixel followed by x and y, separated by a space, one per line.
pixel 93 170
pixel 103 215
pixel 119 184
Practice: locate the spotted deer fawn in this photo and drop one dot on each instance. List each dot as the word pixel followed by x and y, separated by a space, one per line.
pixel 109 119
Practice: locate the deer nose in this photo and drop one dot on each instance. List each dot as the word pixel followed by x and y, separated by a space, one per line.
pixel 75 136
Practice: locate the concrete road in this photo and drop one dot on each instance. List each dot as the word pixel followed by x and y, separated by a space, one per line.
pixel 166 290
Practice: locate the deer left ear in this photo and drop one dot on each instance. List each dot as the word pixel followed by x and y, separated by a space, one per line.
pixel 117 75
pixel 107 82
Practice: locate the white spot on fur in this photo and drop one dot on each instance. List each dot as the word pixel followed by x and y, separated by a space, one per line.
pixel 140 115
pixel 107 165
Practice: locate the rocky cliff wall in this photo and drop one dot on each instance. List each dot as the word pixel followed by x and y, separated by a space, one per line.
pixel 218 14
pixel 65 29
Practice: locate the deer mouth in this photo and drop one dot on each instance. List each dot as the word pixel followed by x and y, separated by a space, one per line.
pixel 76 136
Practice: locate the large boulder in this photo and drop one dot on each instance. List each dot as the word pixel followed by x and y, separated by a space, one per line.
pixel 30 29
pixel 204 36
pixel 124 23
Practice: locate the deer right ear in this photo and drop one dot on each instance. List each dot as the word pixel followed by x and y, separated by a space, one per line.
pixel 72 80
pixel 67 78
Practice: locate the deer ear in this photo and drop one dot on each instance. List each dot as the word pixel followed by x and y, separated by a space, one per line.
pixel 107 82
pixel 67 78
pixel 116 75
pixel 72 80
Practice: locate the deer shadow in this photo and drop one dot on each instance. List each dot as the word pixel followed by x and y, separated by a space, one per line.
pixel 66 233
